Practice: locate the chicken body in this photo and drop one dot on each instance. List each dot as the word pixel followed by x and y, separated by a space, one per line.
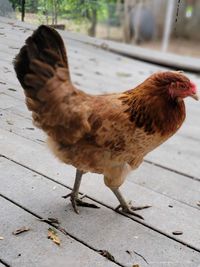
pixel 107 134
pixel 114 145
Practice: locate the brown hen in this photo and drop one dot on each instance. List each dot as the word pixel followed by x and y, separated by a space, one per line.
pixel 107 134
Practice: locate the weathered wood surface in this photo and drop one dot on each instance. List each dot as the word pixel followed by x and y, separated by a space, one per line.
pixel 33 179
pixel 98 232
pixel 33 248
pixel 167 59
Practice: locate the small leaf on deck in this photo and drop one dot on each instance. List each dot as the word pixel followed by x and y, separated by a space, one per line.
pixel 53 236
pixel 107 254
pixel 123 74
pixel 177 233
pixel 21 230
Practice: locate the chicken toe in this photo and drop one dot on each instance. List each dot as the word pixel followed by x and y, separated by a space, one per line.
pixel 79 202
pixel 125 207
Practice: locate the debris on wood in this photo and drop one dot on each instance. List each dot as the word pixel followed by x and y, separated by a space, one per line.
pixel 177 233
pixel 6 70
pixel 30 128
pixel 1 238
pixel 136 265
pixel 198 203
pixel 21 230
pixel 53 236
pixel 170 206
pixel 129 252
pixel 2 83
pixel 123 74
pixel 93 59
pixel 62 230
pixel 104 46
pixel 40 140
pixel 98 73
pixel 107 255
pixel 53 220
pixel 77 83
pixel 9 122
pixel 50 220
pixel 78 74
pixel 13 47
pixel 141 256
pixel 12 89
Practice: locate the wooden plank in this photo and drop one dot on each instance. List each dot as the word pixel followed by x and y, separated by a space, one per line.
pixel 34 249
pixel 23 127
pixel 177 154
pixel 160 216
pixel 101 228
pixel 175 186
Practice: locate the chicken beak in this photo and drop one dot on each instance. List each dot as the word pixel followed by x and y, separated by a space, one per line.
pixel 195 96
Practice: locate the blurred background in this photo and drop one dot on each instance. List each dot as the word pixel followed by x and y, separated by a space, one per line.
pixel 163 25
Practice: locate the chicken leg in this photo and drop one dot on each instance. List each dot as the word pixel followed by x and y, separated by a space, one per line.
pixel 75 200
pixel 127 208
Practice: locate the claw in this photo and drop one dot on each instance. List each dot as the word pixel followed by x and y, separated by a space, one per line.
pixel 78 202
pixel 128 210
pixel 73 199
pixel 141 207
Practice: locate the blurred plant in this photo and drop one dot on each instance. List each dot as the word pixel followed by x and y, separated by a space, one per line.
pixel 50 8
pixel 86 11
pixel 15 4
pixel 82 11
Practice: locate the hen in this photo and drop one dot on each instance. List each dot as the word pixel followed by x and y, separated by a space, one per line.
pixel 106 134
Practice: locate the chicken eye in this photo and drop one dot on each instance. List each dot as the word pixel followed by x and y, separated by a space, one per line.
pixel 182 87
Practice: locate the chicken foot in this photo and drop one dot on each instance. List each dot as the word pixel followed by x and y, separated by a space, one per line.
pixel 126 207
pixel 75 200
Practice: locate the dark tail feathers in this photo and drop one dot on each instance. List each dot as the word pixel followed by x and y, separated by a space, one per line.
pixel 44 46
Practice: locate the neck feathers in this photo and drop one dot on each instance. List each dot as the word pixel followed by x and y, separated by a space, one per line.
pixel 154 112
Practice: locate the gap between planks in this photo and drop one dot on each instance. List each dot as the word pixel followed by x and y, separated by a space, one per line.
pixel 3 263
pixel 172 170
pixel 99 202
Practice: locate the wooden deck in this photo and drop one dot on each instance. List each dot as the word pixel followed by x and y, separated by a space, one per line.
pixel 32 181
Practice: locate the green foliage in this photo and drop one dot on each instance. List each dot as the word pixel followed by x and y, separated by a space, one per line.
pixel 31 6
pixel 80 10
pixel 15 3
